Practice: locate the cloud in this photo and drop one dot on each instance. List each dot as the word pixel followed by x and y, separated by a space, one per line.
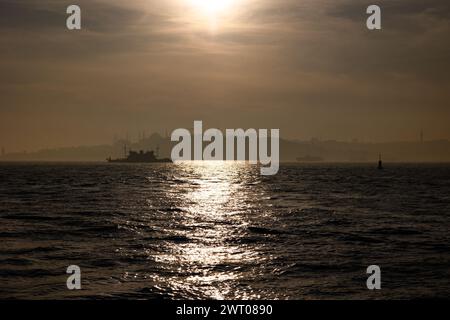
pixel 293 62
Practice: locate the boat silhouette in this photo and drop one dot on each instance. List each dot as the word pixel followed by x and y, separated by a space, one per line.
pixel 309 158
pixel 140 157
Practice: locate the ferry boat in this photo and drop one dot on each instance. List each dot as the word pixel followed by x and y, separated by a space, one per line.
pixel 140 157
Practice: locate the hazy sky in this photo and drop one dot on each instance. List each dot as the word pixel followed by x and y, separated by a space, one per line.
pixel 308 67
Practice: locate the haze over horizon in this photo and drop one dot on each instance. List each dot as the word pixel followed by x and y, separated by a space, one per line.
pixel 310 68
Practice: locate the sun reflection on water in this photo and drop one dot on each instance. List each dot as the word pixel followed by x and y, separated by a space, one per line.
pixel 214 198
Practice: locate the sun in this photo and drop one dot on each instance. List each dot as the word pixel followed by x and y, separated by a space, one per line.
pixel 213 15
pixel 212 7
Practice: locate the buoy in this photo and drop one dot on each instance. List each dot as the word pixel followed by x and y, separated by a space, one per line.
pixel 380 163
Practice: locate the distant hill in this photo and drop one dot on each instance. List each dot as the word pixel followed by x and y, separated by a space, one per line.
pixel 290 150
pixel 335 151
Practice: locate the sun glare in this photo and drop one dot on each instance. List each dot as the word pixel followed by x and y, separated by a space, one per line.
pixel 212 7
pixel 213 15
